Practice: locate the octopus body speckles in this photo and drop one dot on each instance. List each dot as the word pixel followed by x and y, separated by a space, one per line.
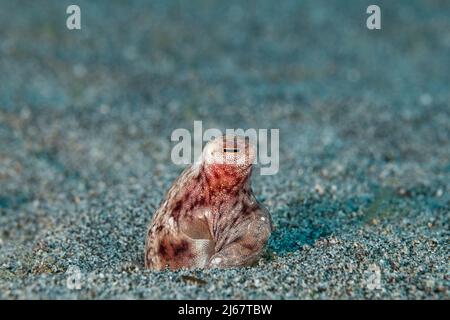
pixel 210 217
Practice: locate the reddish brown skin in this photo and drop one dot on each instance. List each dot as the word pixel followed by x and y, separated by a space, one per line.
pixel 210 217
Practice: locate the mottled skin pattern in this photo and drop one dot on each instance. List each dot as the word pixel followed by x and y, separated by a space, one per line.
pixel 210 217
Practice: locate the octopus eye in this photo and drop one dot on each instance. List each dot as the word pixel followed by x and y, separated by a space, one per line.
pixel 231 150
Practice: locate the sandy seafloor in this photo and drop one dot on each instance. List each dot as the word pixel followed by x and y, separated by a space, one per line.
pixel 364 119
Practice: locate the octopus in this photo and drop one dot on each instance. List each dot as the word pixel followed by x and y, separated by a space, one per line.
pixel 210 217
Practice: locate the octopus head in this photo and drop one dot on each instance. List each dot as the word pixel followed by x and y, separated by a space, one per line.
pixel 228 160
